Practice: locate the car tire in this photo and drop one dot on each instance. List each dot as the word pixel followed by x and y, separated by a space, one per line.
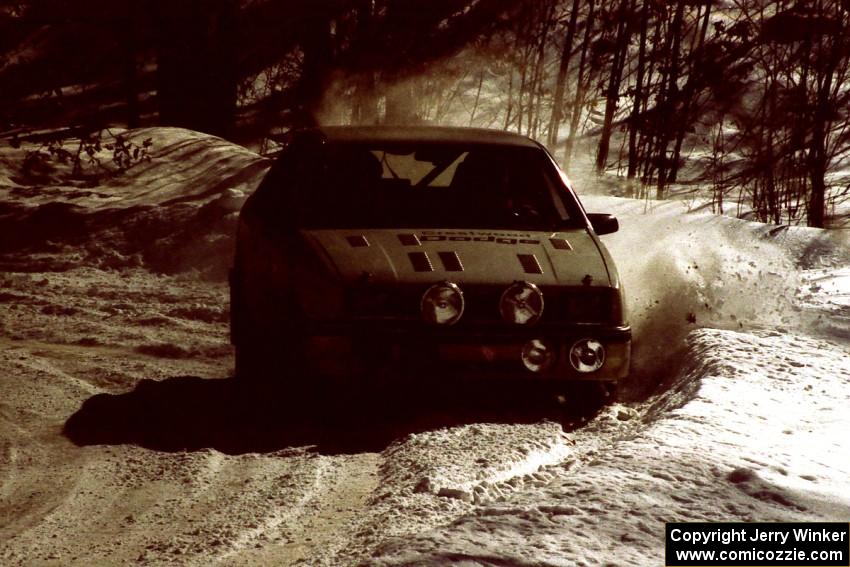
pixel 267 364
pixel 264 356
pixel 247 364
pixel 582 401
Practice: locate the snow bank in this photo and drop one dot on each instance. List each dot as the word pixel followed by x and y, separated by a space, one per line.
pixel 761 437
pixel 684 270
pixel 426 479
pixel 825 297
pixel 175 212
pixel 749 421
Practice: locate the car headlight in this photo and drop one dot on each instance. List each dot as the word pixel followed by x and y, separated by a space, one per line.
pixel 538 355
pixel 442 304
pixel 587 355
pixel 522 304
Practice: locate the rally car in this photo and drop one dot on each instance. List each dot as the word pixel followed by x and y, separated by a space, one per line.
pixel 370 251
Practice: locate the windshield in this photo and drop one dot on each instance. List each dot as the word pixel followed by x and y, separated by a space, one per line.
pixel 359 185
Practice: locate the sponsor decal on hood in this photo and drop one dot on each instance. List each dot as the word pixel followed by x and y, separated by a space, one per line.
pixel 473 257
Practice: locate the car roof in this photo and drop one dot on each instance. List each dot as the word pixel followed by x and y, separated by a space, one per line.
pixel 428 134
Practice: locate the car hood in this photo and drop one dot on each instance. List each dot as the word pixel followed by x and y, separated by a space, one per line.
pixel 465 256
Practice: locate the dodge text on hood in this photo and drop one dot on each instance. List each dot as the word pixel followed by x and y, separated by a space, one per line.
pixel 477 257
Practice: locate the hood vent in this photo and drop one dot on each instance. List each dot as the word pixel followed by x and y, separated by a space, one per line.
pixel 451 261
pixel 560 243
pixel 530 264
pixel 358 241
pixel 420 261
pixel 409 240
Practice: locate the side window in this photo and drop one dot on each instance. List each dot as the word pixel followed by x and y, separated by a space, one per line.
pixel 282 191
pixel 271 187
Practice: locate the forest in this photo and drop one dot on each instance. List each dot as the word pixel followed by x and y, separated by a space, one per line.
pixel 133 132
pixel 744 100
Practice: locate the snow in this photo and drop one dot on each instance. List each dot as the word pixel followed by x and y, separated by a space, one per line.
pixel 724 443
pixel 113 326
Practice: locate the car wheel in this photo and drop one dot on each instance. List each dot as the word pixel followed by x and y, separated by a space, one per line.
pixel 269 365
pixel 582 401
pixel 247 364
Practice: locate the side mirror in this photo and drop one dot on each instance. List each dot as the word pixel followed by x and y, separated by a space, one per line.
pixel 603 223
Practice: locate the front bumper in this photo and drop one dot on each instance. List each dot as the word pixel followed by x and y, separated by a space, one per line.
pixel 486 353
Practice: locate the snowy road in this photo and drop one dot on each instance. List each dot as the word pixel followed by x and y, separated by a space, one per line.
pixel 123 442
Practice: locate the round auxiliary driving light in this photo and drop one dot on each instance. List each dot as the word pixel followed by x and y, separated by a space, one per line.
pixel 442 304
pixel 587 355
pixel 538 355
pixel 522 304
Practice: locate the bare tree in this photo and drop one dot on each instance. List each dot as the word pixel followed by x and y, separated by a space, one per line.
pixel 563 70
pixel 584 79
pixel 615 74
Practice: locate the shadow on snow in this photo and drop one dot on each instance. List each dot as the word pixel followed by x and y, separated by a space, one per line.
pixel 190 413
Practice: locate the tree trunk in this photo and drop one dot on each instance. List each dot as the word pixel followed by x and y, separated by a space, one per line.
pixel 400 105
pixel 612 93
pixel 316 67
pixel 510 98
pixel 688 97
pixel 523 74
pixel 581 86
pixel 817 201
pixel 477 97
pixel 634 123
pixel 769 158
pixel 563 70
pixel 364 108
pixel 535 100
pixel 196 70
pixel 670 99
pixel 649 125
pixel 817 159
pixel 129 65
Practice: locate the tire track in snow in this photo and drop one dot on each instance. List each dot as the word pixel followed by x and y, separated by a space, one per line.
pixel 321 523
pixel 432 479
pixel 332 524
pixel 275 519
